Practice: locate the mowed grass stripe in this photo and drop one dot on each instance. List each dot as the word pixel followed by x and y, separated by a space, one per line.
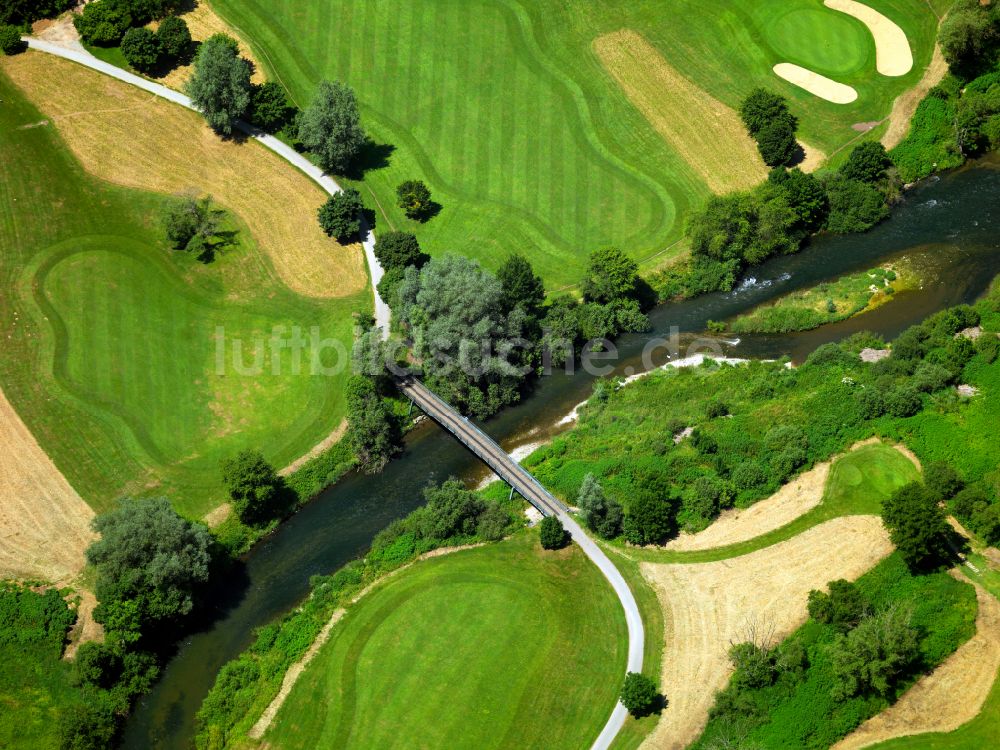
pixel 707 134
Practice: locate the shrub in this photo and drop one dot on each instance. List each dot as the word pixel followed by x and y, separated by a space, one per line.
pixel 340 216
pixel 702 442
pixel 639 694
pixel 551 534
pixel 103 23
pixel 600 513
pixel 10 39
pixel 451 511
pixel 916 525
pixel 174 37
pixel 414 197
pixel 903 401
pixel 141 48
pixel 870 402
pixel 942 480
pixel 776 143
pixel 269 107
pixel 399 250
pixel 649 520
pixel 22 12
pixel 254 487
pixel 873 657
pixel 493 524
pixel 749 475
pixel 855 206
pixel 843 607
pixel 868 162
pixel 761 108
pixel 716 408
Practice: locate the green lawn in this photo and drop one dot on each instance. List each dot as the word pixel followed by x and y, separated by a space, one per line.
pixel 503 108
pixel 111 338
pixel 517 648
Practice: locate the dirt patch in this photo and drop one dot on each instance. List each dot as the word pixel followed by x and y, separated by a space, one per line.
pixel 708 605
pixel 44 524
pixel 129 137
pixel 816 84
pixel 323 445
pixel 864 127
pixel 706 133
pixel 86 629
pixel 906 103
pixel 215 517
pixel 812 159
pixel 892 49
pixel 797 497
pixel 951 695
pixel 203 23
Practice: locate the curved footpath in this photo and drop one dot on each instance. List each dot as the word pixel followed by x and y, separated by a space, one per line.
pixel 536 493
pixel 286 152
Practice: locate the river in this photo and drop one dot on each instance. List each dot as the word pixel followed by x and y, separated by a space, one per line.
pixel 952 222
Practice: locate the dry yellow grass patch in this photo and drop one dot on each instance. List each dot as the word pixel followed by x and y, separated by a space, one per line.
pixel 706 606
pixel 799 496
pixel 44 523
pixel 948 697
pixel 906 103
pixel 129 137
pixel 706 133
pixel 203 23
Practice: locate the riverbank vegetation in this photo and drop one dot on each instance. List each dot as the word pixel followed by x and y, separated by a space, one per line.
pixel 829 302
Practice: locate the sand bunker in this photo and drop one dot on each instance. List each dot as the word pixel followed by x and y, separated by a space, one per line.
pixel 951 695
pixel 892 50
pixel 44 524
pixel 814 83
pixel 708 605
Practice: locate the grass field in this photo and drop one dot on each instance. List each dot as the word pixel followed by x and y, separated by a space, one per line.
pixel 111 338
pixel 518 648
pixel 505 109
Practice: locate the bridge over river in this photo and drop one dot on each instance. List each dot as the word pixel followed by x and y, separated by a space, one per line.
pixel 520 479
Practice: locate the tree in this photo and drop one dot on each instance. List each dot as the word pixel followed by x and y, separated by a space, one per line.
pixel 374 434
pixel 776 143
pixel 10 39
pixel 761 108
pixel 414 197
pixel 917 525
pixel 174 37
pixel 96 664
pixel 21 12
pixel 141 48
pixel 967 34
pixel 612 276
pixel 254 487
pixel 451 511
pixel 601 514
pixel 88 726
pixel 269 107
pixel 874 656
pixel 639 694
pixel 903 401
pixel 220 84
pixel 340 216
pixel 103 23
pixel 855 206
pixel 868 162
pixel 521 285
pixel 330 126
pixel 190 220
pixel 843 607
pixel 399 250
pixel 649 520
pixel 552 534
pixel 493 524
pixel 942 480
pixel 805 195
pixel 149 557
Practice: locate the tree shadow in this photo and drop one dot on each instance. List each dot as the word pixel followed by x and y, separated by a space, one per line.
pixel 798 156
pixel 433 209
pixel 656 707
pixel 371 157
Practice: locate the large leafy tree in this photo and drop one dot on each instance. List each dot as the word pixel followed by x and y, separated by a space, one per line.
pixel 520 284
pixel 174 37
pixel 967 35
pixel 611 276
pixel 27 11
pixel 867 162
pixel 254 487
pixel 639 694
pixel 650 519
pixel 399 250
pixel 330 126
pixel 149 560
pixel 762 108
pixel 340 216
pixel 141 48
pixel 917 525
pixel 220 85
pixel 103 23
pixel 374 433
pixel 874 656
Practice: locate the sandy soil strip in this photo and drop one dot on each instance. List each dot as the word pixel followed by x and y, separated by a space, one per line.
pixel 86 628
pixel 328 442
pixel 708 605
pixel 126 136
pixel 203 23
pixel 892 50
pixel 906 103
pixel 813 159
pixel 814 83
pixel 706 133
pixel 794 499
pixel 258 729
pixel 44 524
pixel 948 697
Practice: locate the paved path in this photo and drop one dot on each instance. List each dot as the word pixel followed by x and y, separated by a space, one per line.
pixel 286 152
pixel 471 436
pixel 531 490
